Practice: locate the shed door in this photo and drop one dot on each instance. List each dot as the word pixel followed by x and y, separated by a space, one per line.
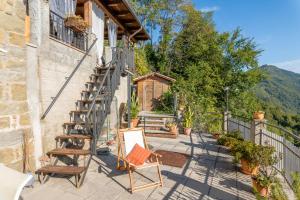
pixel 148 95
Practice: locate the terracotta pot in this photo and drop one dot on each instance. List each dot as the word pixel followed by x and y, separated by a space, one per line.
pixel 259 115
pixel 173 130
pixel 181 107
pixel 134 122
pixel 216 135
pixel 246 169
pixel 187 131
pixel 263 191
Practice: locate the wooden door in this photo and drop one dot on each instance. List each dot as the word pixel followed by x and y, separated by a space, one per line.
pixel 147 95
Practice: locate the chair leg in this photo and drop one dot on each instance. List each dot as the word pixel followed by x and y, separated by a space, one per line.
pixel 76 181
pixel 130 179
pixel 160 177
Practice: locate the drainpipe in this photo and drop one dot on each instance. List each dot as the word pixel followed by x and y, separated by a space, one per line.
pixel 129 83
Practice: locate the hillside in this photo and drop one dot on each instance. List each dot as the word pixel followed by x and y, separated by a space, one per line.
pixel 281 88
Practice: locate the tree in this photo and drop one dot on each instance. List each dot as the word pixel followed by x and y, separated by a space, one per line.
pixel 205 61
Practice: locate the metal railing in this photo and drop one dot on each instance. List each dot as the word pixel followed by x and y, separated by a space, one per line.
pixel 281 139
pixel 54 99
pixel 97 112
pixel 240 123
pixel 284 143
pixel 59 31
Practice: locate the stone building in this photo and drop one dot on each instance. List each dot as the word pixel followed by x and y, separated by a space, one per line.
pixel 38 54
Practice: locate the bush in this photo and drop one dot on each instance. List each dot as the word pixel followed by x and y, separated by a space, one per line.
pixel 296 184
pixel 165 103
pixel 246 150
pixel 235 134
pixel 228 141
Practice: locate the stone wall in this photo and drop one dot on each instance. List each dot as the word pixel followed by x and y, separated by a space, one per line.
pixel 30 74
pixel 15 119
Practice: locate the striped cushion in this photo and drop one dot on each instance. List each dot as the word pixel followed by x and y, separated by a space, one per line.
pixel 138 155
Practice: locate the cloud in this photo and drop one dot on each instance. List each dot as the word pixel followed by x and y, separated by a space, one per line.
pixel 290 65
pixel 210 9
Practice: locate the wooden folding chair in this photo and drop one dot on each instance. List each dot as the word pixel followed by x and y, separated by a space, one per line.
pixel 127 138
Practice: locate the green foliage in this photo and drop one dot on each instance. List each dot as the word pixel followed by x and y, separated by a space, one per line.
pixel 141 63
pixel 235 134
pixel 296 184
pixel 279 95
pixel 246 150
pixel 135 108
pixel 204 62
pixel 277 192
pixel 165 103
pixel 188 118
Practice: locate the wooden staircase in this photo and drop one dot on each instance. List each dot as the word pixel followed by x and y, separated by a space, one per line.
pixel 74 148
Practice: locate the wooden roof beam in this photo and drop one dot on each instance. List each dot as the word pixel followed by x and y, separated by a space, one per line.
pixel 108 13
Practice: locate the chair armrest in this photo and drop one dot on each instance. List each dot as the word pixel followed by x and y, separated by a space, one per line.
pixel 156 154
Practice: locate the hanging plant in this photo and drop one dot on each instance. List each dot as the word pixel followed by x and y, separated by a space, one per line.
pixel 76 23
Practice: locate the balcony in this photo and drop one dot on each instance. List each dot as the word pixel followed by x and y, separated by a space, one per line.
pixel 60 32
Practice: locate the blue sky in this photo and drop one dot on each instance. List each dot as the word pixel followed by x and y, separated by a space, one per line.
pixel 274 25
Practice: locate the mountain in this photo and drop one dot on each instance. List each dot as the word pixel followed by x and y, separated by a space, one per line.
pixel 281 88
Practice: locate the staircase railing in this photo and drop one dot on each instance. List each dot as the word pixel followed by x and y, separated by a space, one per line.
pixel 54 99
pixel 97 112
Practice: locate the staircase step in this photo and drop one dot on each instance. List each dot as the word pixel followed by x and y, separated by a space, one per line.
pixel 160 134
pixel 70 170
pixel 73 124
pixel 151 125
pixel 73 136
pixel 90 101
pixel 152 121
pixel 65 152
pixel 79 111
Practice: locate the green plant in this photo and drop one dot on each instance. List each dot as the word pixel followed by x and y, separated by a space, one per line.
pixel 165 104
pixel 188 118
pixel 246 150
pixel 235 134
pixel 171 124
pixel 296 184
pixel 135 108
pixel 267 158
pixel 277 192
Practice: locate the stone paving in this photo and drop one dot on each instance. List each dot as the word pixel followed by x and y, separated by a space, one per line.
pixel 209 174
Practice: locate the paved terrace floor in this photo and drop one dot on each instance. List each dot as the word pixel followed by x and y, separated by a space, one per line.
pixel 209 174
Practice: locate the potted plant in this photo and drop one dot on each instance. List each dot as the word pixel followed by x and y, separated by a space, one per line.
pixel 134 110
pixel 259 115
pixel 188 120
pixel 245 152
pixel 172 127
pixel 76 23
pixel 267 173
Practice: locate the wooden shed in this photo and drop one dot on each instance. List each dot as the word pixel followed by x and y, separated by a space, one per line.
pixel 150 88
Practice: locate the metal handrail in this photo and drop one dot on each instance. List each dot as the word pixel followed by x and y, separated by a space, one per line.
pixel 282 129
pixel 101 84
pixel 67 80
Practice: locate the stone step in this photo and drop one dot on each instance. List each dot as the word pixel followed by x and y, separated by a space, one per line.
pixel 70 170
pixel 67 152
pixel 160 134
pixel 152 121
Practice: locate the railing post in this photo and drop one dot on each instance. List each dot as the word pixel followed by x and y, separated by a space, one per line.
pixel 226 116
pixel 256 130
